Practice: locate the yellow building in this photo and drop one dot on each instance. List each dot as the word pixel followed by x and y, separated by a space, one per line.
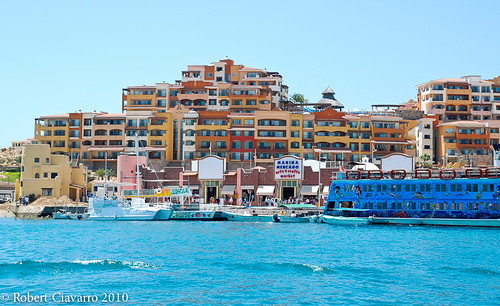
pixel 46 174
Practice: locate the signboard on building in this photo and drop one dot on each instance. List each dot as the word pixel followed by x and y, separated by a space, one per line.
pixel 174 192
pixel 211 168
pixel 288 168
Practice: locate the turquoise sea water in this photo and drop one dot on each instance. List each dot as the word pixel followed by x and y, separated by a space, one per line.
pixel 250 263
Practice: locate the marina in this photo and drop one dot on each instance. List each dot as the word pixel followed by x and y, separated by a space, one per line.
pixel 253 262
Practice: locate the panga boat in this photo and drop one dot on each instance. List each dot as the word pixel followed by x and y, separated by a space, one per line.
pixel 341 220
pixel 247 217
pixel 292 218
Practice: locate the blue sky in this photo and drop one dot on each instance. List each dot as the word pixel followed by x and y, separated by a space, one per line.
pixel 64 56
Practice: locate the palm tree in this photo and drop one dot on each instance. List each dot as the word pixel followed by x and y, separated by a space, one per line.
pixel 100 173
pixel 298 98
pixel 426 158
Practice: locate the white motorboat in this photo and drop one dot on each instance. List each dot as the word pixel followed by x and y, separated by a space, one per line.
pixel 292 218
pixel 110 210
pixel 246 217
pixel 340 220
pixel 65 215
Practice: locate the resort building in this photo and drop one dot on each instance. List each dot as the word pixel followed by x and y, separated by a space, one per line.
pixel 46 174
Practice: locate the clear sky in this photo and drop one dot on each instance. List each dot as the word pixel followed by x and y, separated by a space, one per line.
pixel 64 56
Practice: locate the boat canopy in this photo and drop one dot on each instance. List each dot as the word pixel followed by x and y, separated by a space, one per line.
pixel 297 206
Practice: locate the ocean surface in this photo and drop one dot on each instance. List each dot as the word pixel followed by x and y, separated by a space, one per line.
pixel 226 263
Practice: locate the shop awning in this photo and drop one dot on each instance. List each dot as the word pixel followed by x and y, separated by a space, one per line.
pixel 265 190
pixel 309 190
pixel 247 187
pixel 228 189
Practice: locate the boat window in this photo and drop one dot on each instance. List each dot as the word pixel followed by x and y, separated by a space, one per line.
pixel 365 188
pixel 475 187
pixel 346 188
pixel 413 187
pixel 488 187
pixel 407 188
pixel 398 205
pixel 468 187
pixel 379 188
pixel 398 188
pixel 384 187
pixel 422 188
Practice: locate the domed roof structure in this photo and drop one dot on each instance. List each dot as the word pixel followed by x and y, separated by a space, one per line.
pixel 328 99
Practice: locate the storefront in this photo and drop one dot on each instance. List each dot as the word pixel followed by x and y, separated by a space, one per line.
pixel 288 173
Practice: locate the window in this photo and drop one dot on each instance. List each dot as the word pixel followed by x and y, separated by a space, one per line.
pixel 353 124
pixel 307 124
pixel 37 160
pixel 53 175
pixel 307 135
pixel 251 102
pixel 427 147
pixel 248 122
pixel 295 134
pixel 212 102
pixel 45 175
pixel 295 145
pixel 247 133
pixel 210 75
pixel 47 192
pixel 236 155
pixel 264 155
pixel 295 123
pixel 248 145
pixel 427 136
pixel 236 145
pixel 236 122
pixel 247 156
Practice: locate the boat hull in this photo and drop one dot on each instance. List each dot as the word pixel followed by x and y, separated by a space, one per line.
pixel 60 216
pixel 189 215
pixel 290 219
pixel 163 215
pixel 249 218
pixel 339 220
pixel 438 221
pixel 84 216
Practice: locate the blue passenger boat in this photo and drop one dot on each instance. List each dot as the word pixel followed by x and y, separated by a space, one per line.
pixel 466 197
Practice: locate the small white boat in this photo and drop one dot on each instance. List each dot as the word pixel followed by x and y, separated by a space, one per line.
pixel 65 215
pixel 340 220
pixel 314 219
pixel 249 217
pixel 292 218
pixel 83 216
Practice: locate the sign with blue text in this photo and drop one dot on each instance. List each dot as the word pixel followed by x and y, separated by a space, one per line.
pixel 288 168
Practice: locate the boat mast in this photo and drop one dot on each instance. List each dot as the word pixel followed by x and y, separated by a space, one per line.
pixel 137 160
pixel 105 173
